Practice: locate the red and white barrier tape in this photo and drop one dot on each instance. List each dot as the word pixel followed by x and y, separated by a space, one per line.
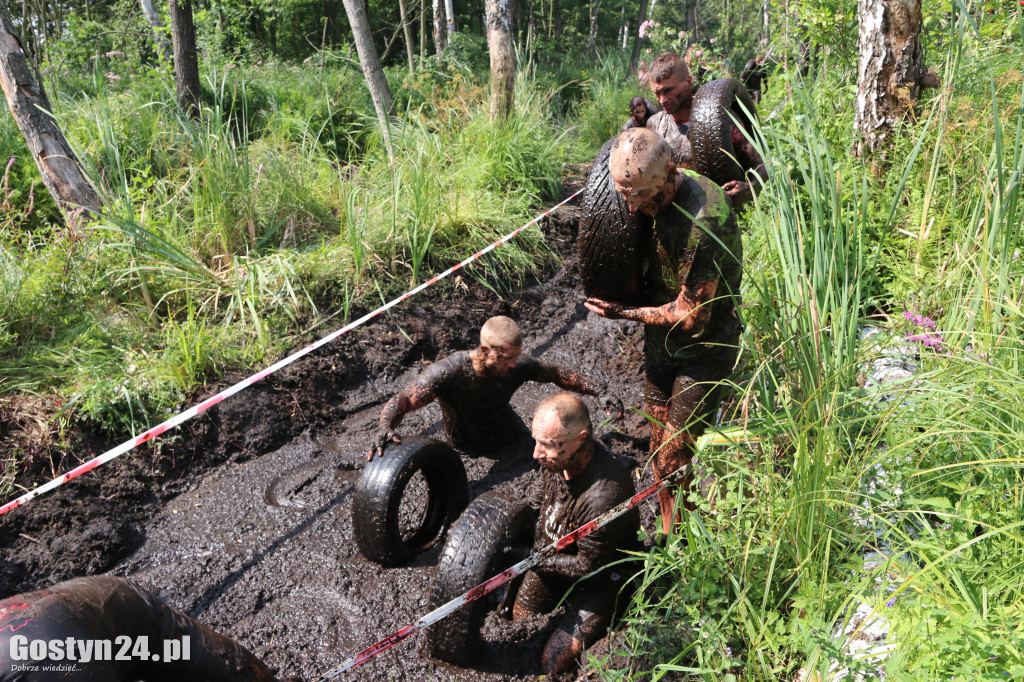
pixel 505 576
pixel 210 402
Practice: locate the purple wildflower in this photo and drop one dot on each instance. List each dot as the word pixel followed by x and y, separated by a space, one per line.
pixel 920 320
pixel 891 602
pixel 929 340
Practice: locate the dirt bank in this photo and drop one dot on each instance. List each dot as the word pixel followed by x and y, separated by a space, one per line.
pixel 242 518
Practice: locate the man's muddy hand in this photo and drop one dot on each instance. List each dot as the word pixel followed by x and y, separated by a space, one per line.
pixel 738 191
pixel 380 441
pixel 613 311
pixel 612 406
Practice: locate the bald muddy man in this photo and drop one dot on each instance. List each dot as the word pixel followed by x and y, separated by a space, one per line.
pixel 579 481
pixel 95 629
pixel 474 388
pixel 691 331
pixel 673 88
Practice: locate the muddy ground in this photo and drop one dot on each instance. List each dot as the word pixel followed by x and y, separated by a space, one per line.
pixel 242 518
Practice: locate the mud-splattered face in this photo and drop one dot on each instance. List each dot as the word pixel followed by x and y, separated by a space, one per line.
pixel 499 360
pixel 557 448
pixel 673 93
pixel 646 180
pixel 638 112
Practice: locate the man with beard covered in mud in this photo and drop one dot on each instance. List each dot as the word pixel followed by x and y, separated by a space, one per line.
pixel 673 88
pixel 579 481
pixel 474 388
pixel 85 624
pixel 693 273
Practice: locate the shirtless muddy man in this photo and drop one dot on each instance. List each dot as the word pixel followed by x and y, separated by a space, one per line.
pixel 474 388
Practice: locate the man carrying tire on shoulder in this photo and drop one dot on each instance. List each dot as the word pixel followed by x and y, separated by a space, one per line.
pixel 672 85
pixel 474 388
pixel 693 259
pixel 579 481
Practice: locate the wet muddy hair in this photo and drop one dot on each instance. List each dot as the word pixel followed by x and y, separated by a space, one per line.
pixel 637 101
pixel 571 411
pixel 666 64
pixel 639 151
pixel 501 331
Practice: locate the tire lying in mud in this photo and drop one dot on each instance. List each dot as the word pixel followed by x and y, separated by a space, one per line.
pixel 609 238
pixel 382 532
pixel 711 128
pixel 494 533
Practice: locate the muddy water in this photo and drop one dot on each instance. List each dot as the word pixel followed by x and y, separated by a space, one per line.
pixel 263 550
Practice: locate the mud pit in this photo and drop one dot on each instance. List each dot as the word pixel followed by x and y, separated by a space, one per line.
pixel 243 521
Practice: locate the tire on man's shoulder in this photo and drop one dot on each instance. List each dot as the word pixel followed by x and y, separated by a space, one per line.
pixel 609 238
pixel 494 533
pixel 390 533
pixel 711 127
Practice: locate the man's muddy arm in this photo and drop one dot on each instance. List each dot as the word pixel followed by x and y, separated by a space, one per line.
pixel 412 397
pixel 594 552
pixel 690 311
pixel 738 190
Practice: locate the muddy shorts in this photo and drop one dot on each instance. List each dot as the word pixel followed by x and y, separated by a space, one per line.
pixel 589 607
pixel 690 389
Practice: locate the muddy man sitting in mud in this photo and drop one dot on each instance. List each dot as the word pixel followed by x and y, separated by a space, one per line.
pixel 672 85
pixel 474 388
pixel 579 481
pixel 78 630
pixel 693 272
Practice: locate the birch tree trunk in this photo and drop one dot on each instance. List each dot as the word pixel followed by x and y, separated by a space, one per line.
pixel 891 69
pixel 373 73
pixel 640 18
pixel 765 32
pixel 595 7
pixel 503 59
pixel 186 60
pixel 440 27
pixel 159 37
pixel 403 13
pixel 59 168
pixel 449 16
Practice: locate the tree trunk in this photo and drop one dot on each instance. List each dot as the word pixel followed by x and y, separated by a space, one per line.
pixel 423 30
pixel 372 71
pixel 641 17
pixel 186 61
pixel 556 20
pixel 159 37
pixel 449 16
pixel 440 27
pixel 765 32
pixel 407 29
pixel 503 58
pixel 58 166
pixel 625 25
pixel 691 21
pixel 891 69
pixel 595 7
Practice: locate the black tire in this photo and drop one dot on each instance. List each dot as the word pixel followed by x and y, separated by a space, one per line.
pixel 377 500
pixel 609 238
pixel 493 533
pixel 711 128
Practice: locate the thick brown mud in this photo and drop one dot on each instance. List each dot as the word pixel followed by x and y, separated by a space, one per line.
pixel 243 520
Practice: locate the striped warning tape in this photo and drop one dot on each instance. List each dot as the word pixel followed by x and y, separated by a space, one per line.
pixel 505 576
pixel 227 393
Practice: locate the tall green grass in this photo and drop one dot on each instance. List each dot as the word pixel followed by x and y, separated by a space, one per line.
pixel 815 474
pixel 225 239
